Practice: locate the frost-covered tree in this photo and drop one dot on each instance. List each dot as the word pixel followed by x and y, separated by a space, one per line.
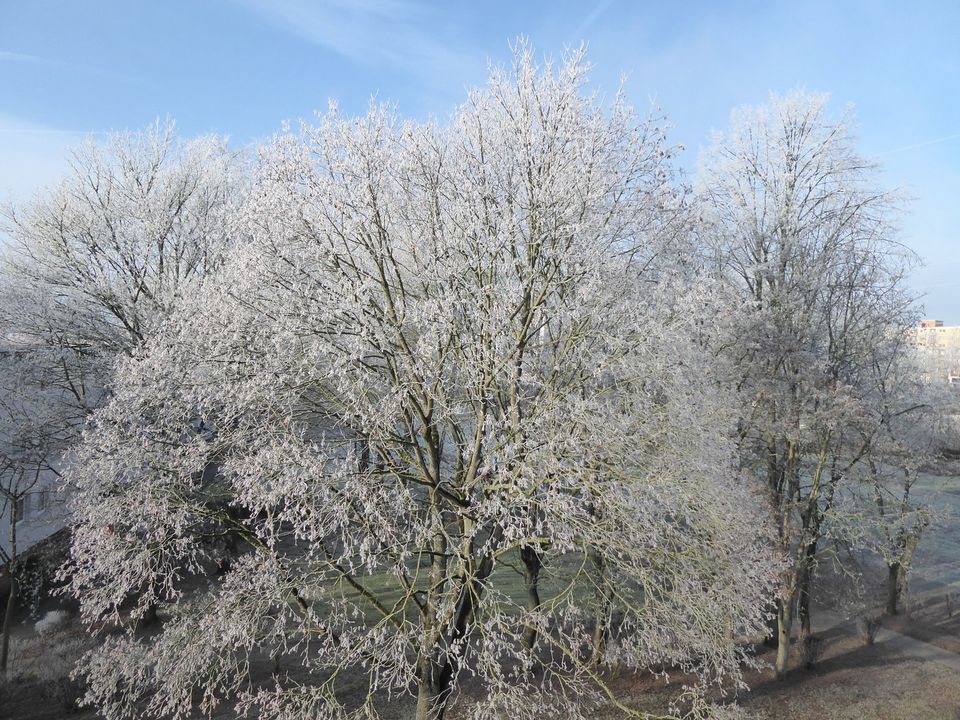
pixel 443 400
pixel 798 226
pixel 91 268
pixel 93 264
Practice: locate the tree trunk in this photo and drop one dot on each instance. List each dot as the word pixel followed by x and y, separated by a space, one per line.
pixel 436 678
pixel 893 588
pixel 532 563
pixel 433 692
pixel 14 589
pixel 784 622
pixel 770 640
pixel 8 620
pixel 149 618
pixel 903 567
pixel 803 593
pixel 601 627
pixel 803 612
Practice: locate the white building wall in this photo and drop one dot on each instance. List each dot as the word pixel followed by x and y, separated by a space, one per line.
pixel 43 513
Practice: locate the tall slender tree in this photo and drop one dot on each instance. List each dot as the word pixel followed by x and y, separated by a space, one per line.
pixel 799 227
pixel 29 438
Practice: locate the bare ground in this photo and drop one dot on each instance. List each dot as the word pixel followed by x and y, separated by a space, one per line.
pixel 911 672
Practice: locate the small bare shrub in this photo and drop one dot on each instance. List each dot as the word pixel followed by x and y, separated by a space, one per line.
pixel 47 660
pixel 21 661
pixel 914 606
pixel 62 649
pixel 867 626
pixel 52 622
pixel 950 602
pixel 731 711
pixel 64 691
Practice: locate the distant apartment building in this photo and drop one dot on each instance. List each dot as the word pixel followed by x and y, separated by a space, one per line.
pixel 40 512
pixel 939 347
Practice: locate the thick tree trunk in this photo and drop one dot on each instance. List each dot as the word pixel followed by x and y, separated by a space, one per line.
pixel 897 587
pixel 436 677
pixel 433 692
pixel 532 565
pixel 784 622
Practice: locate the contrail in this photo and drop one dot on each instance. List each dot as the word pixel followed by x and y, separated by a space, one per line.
pixel 919 145
pixel 590 19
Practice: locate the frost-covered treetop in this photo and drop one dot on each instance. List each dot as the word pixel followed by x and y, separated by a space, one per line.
pixel 435 419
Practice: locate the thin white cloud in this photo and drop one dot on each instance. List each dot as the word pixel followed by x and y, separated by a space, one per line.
pixel 34 156
pixel 71 67
pixel 20 57
pixel 374 33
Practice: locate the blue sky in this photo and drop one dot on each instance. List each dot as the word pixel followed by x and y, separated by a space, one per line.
pixel 241 67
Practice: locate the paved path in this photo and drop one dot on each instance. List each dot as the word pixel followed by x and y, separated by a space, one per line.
pixel 893 643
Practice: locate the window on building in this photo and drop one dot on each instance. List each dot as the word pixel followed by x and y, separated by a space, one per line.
pixel 21 508
pixel 40 501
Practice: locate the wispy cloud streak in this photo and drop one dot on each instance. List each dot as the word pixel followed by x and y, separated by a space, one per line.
pixel 599 9
pixel 372 33
pixel 71 67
